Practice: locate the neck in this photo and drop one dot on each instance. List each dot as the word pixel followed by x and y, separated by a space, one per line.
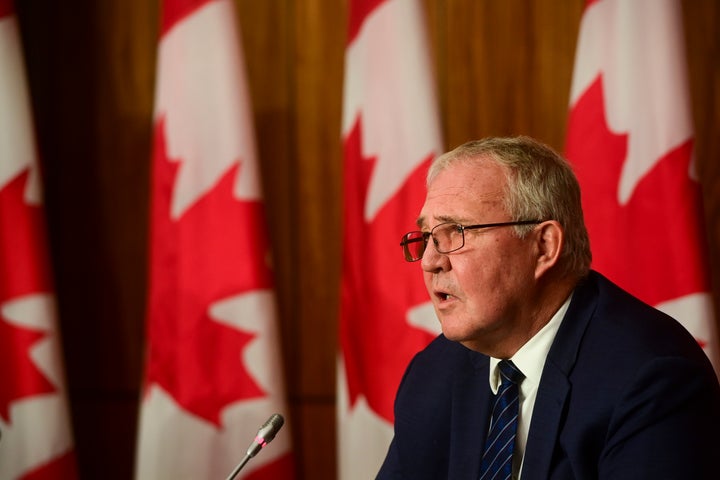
pixel 542 304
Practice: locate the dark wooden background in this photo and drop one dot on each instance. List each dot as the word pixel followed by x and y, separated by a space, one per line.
pixel 503 67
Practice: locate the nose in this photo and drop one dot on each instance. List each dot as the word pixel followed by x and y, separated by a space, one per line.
pixel 432 261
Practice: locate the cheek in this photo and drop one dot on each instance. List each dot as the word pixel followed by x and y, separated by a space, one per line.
pixel 476 289
pixel 480 284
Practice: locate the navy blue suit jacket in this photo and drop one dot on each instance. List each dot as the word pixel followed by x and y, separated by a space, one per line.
pixel 626 393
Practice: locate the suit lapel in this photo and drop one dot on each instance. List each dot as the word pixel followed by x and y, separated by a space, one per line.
pixel 470 417
pixel 554 384
pixel 542 437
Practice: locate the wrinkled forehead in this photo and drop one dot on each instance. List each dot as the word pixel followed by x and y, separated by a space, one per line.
pixel 465 192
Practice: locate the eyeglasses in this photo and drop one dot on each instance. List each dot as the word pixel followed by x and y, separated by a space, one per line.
pixel 447 237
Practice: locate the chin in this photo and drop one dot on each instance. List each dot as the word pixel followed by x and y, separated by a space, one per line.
pixel 459 332
pixel 453 334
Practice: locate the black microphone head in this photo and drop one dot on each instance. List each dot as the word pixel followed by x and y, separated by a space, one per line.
pixel 266 433
pixel 277 420
pixel 271 427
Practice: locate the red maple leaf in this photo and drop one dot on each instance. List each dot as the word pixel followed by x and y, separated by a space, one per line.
pixel 23 271
pixel 653 245
pixel 378 286
pixel 64 466
pixel 215 250
pixel 6 8
pixel 177 10
pixel 359 11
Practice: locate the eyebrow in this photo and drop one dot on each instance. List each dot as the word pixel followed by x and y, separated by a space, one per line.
pixel 441 219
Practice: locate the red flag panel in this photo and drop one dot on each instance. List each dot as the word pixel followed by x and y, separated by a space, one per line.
pixel 630 139
pixel 213 363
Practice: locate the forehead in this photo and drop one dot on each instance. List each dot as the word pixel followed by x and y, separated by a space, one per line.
pixel 465 191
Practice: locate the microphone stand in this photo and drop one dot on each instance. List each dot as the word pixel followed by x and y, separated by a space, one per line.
pixel 240 465
pixel 264 436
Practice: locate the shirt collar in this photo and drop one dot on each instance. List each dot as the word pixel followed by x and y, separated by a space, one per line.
pixel 530 359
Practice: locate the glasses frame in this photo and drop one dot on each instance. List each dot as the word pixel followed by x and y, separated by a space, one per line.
pixel 425 236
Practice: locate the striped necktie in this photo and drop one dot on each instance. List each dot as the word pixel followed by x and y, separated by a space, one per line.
pixel 500 443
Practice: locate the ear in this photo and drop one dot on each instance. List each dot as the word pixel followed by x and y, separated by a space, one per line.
pixel 550 241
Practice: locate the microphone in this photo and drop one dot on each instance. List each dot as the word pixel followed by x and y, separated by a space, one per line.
pixel 264 436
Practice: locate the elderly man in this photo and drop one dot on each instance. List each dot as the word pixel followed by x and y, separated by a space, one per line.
pixel 545 369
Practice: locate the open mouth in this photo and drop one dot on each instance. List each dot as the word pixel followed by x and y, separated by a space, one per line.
pixel 443 296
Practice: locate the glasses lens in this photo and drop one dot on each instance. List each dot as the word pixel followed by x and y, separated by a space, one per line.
pixel 448 237
pixel 413 244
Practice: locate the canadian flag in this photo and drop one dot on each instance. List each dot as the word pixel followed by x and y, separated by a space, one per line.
pixel 213 372
pixel 630 137
pixel 390 132
pixel 35 433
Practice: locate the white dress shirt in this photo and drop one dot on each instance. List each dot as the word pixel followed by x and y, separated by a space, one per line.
pixel 530 360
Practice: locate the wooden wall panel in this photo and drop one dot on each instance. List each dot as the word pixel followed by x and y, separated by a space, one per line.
pixel 702 31
pixel 502 68
pixel 490 82
pixel 319 45
pixel 318 39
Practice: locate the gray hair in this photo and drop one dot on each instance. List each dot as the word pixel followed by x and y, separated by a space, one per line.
pixel 541 186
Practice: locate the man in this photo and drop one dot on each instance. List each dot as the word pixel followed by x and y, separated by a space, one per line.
pixel 589 382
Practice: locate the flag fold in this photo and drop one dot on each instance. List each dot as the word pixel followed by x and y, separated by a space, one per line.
pixel 630 139
pixel 214 370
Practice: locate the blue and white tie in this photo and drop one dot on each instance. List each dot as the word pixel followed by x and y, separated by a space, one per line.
pixel 500 443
